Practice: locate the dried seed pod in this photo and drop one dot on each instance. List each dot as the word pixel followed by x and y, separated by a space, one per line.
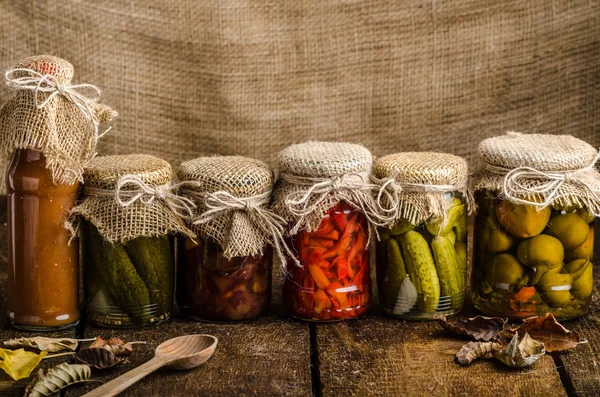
pixel 475 350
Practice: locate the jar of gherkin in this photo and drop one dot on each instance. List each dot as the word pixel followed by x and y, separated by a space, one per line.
pixel 127 220
pixel 537 198
pixel 422 252
pixel 224 271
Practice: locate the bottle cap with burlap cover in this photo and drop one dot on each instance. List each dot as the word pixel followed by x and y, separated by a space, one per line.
pixel 540 170
pixel 50 114
pixel 414 185
pixel 315 176
pixel 129 196
pixel 231 195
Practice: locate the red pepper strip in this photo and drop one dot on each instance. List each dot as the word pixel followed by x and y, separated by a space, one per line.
pixel 317 274
pixel 340 265
pixel 332 235
pixel 344 243
pixel 308 284
pixel 340 219
pixel 321 301
pixel 357 279
pixel 313 255
pixel 321 242
pixel 326 226
pixel 340 297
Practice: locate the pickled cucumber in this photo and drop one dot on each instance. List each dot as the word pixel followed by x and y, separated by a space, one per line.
pixel 400 227
pixel 522 220
pixel 461 263
pixel 153 260
pixel 119 276
pixel 446 265
pixel 570 229
pixel 421 269
pixel 443 226
pixel 395 271
pixel 460 228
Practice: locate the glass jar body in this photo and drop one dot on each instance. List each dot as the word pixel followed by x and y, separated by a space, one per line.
pixel 43 268
pixel 127 285
pixel 422 269
pixel 529 261
pixel 333 281
pixel 213 288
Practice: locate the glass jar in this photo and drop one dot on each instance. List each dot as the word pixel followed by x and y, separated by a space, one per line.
pixel 422 269
pixel 530 261
pixel 333 282
pixel 127 285
pixel 43 268
pixel 213 288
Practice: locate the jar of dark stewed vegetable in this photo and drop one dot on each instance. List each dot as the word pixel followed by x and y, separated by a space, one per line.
pixel 534 229
pixel 224 273
pixel 422 253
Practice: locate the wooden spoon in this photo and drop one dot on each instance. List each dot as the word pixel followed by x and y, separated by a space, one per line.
pixel 184 352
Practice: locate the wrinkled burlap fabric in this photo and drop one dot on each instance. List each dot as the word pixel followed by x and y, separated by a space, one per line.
pixel 134 209
pixel 228 192
pixel 315 176
pixel 59 129
pixel 541 170
pixel 414 185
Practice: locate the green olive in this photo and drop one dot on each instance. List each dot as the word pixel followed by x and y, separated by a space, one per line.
pixel 587 216
pixel 522 220
pixel 570 229
pixel 555 288
pixel 585 250
pixel 583 282
pixel 505 273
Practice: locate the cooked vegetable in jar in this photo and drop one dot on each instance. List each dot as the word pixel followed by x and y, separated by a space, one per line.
pixel 422 255
pixel 224 273
pixel 534 229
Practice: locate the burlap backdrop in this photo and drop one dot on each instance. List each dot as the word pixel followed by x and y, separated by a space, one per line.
pixel 251 77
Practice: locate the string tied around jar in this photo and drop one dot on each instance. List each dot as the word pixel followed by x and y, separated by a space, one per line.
pixel 353 187
pixel 75 93
pixel 222 203
pixel 521 183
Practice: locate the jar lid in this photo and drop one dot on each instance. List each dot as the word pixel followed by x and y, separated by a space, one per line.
pixel 240 176
pixel 104 171
pixel 427 168
pixel 325 159
pixel 543 152
pixel 61 69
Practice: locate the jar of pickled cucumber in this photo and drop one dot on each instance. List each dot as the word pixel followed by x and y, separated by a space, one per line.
pixel 326 197
pixel 534 228
pixel 422 252
pixel 127 223
pixel 224 271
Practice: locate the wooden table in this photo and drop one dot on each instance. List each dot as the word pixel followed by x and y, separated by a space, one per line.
pixel 373 355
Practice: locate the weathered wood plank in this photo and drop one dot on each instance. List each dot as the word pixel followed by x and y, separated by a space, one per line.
pixel 269 356
pixel 581 367
pixel 9 387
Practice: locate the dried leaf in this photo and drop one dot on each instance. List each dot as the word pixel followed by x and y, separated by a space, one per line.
pixel 18 364
pixel 475 350
pixel 478 328
pixel 98 358
pixel 520 354
pixel 41 343
pixel 555 337
pixel 115 346
pixel 56 379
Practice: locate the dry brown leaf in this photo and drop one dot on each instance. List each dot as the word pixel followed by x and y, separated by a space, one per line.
pixel 521 354
pixel 42 343
pixel 114 345
pixel 98 358
pixel 56 379
pixel 478 328
pixel 550 332
pixel 476 350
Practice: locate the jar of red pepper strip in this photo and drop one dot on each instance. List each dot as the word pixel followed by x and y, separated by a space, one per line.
pixel 325 195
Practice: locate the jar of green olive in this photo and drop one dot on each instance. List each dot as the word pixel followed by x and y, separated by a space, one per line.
pixel 534 228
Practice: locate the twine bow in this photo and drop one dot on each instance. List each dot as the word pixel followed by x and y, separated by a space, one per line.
pixel 49 84
pixel 527 181
pixel 221 203
pixel 146 194
pixel 354 187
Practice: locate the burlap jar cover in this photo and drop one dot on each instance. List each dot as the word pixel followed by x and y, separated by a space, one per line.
pixel 231 196
pixel 540 170
pixel 315 176
pixel 129 196
pixel 49 114
pixel 413 185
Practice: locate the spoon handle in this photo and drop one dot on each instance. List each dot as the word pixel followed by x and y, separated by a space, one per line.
pixel 121 383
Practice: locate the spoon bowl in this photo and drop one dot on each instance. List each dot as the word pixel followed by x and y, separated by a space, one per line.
pixel 181 353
